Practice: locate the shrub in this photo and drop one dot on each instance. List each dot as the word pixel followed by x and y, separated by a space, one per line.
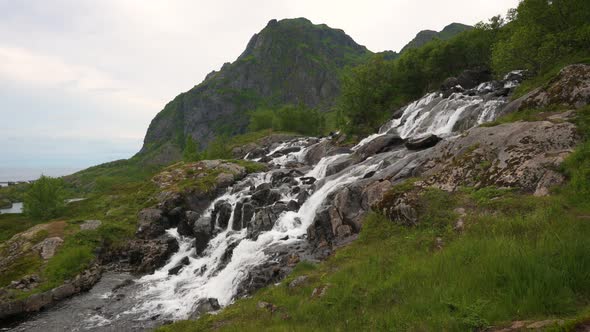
pixel 45 199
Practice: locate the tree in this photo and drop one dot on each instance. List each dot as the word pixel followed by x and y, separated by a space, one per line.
pixel 191 149
pixel 45 199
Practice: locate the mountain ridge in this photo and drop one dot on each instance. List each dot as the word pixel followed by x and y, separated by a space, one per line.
pixel 426 36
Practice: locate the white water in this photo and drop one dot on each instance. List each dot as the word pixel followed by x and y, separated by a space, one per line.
pixel 173 296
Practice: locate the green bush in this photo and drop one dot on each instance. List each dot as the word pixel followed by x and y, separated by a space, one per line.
pixel 45 199
pixel 297 119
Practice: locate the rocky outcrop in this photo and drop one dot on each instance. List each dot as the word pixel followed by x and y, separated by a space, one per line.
pixel 145 256
pixel 523 155
pixel 570 89
pixel 82 282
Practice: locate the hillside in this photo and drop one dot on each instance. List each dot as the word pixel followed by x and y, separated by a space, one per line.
pixel 291 61
pixel 446 33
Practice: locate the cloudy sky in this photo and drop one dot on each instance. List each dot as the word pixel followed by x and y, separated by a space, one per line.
pixel 81 80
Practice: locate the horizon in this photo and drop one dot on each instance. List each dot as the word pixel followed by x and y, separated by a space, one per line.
pixel 77 94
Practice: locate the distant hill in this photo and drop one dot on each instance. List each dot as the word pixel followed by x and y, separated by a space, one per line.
pixel 425 36
pixel 290 61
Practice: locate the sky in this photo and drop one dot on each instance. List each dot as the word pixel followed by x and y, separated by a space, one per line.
pixel 81 80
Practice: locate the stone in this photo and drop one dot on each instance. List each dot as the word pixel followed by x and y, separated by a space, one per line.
pixel 204 306
pixel 178 267
pixel 202 230
pixel 89 225
pixel 422 142
pixel 378 145
pixel 298 281
pixel 339 164
pixel 49 246
pixel 221 213
pixel 151 223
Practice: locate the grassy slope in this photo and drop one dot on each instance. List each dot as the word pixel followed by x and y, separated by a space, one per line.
pixel 520 257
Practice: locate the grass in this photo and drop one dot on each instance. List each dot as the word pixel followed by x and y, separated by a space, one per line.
pixel 519 257
pixel 11 224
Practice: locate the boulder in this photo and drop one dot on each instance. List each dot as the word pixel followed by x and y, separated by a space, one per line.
pixel 204 306
pixel 183 262
pixel 570 88
pixel 265 219
pixel 339 164
pixel 243 213
pixel 380 144
pixel 523 155
pixel 221 213
pixel 49 246
pixel 145 256
pixel 202 230
pixel 152 223
pixel 422 143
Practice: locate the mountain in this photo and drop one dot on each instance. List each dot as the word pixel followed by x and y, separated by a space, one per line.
pixel 290 61
pixel 425 36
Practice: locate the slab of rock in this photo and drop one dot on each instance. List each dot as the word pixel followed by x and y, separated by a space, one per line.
pixel 89 225
pixel 422 143
pixel 49 246
pixel 378 145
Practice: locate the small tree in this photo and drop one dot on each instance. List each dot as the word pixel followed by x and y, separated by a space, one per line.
pixel 45 199
pixel 190 152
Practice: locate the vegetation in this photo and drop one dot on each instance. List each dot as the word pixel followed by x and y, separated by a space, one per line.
pixel 540 36
pixel 298 119
pixel 45 198
pixel 191 150
pixel 518 257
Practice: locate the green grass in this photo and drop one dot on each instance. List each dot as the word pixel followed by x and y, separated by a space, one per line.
pixel 519 257
pixel 11 224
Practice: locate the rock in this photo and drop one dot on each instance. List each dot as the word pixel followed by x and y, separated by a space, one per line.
pixel 63 291
pixel 243 213
pixel 378 145
pixel 522 155
pixel 320 292
pixel 570 88
pixel 221 214
pixel 265 219
pixel 202 230
pixel 263 195
pixel 148 255
pixel 468 79
pixel 422 142
pixel 293 206
pixel 298 281
pixel 186 220
pixel 183 262
pixel 339 164
pixel 49 246
pixel 152 223
pixel 89 225
pixel 322 149
pixel 308 180
pixel 257 153
pixel 204 306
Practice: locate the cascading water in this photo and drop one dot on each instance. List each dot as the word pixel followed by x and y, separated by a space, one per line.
pixel 231 254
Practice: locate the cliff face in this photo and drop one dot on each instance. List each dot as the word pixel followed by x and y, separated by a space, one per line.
pixel 426 36
pixel 289 62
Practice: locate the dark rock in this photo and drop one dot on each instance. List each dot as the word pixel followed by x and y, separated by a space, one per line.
pixel 221 214
pixel 265 219
pixel 293 206
pixel 148 255
pixel 204 306
pixel 422 143
pixel 308 180
pixel 378 145
pixel 257 153
pixel 152 223
pixel 183 262
pixel 339 164
pixel 202 230
pixel 263 195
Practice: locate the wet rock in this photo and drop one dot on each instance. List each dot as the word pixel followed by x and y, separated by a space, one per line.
pixel 422 142
pixel 257 153
pixel 152 223
pixel 339 164
pixel 293 206
pixel 308 180
pixel 265 219
pixel 204 306
pixel 378 145
pixel 183 262
pixel 145 256
pixel 221 213
pixel 202 230
pixel 264 195
pixel 323 149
